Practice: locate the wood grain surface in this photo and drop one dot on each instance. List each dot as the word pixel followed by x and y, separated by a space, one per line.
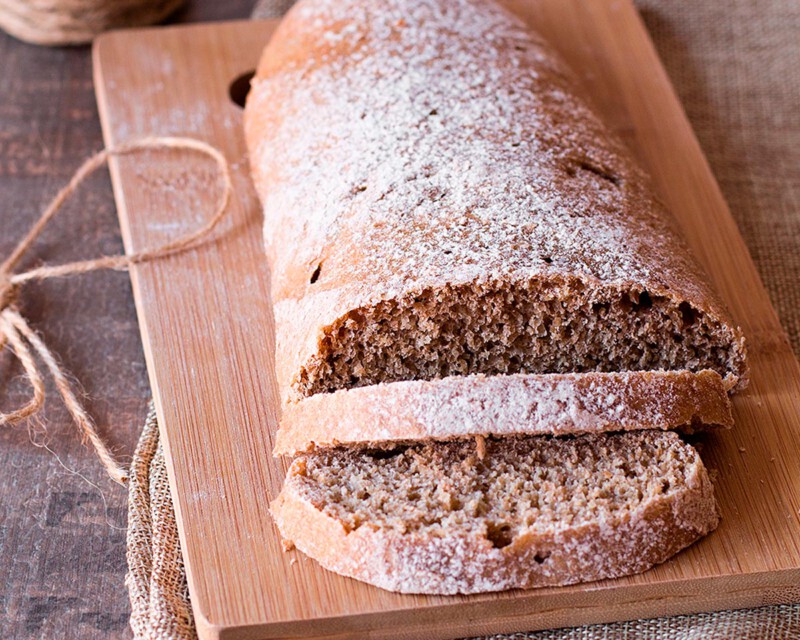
pixel 206 323
pixel 62 535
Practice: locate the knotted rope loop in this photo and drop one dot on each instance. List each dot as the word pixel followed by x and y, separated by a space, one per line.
pixel 27 346
pixel 8 291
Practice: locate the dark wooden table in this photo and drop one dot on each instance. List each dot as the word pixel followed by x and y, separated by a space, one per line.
pixel 62 521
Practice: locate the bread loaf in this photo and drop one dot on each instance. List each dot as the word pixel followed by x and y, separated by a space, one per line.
pixel 461 250
pixel 440 201
pixel 534 511
pixel 466 406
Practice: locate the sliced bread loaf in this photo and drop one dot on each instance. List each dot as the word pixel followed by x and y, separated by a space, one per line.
pixel 465 406
pixel 524 512
pixel 460 248
pixel 440 201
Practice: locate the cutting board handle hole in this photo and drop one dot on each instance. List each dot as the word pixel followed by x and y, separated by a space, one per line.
pixel 240 87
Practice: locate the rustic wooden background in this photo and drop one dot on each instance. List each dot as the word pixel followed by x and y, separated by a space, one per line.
pixel 62 522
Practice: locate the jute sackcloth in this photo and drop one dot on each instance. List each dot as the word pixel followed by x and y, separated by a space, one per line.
pixel 736 67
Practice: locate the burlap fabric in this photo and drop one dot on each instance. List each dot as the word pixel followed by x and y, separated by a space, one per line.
pixel 736 66
pixel 156 579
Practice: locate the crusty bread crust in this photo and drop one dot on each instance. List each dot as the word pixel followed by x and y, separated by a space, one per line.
pixel 407 150
pixel 448 562
pixel 467 406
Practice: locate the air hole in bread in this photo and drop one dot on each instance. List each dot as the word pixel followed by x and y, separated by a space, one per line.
pixel 541 557
pixel 386 454
pixel 688 315
pixel 644 301
pixel 499 535
pixel 315 274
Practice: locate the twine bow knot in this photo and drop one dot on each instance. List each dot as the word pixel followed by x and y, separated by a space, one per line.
pixel 8 291
pixel 26 344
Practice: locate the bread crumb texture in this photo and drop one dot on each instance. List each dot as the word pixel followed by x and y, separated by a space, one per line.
pixel 436 518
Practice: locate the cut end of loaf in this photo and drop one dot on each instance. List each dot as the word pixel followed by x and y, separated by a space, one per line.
pixel 537 325
pixel 530 511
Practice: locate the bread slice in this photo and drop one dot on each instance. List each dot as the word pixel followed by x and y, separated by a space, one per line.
pixel 439 200
pixel 466 406
pixel 447 518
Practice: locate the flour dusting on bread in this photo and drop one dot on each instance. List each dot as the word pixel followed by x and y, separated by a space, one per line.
pixel 440 200
pixel 485 320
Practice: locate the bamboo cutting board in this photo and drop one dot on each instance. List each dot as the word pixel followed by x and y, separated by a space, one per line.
pixel 207 329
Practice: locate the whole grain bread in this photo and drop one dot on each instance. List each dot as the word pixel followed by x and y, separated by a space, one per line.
pixel 466 406
pixel 439 200
pixel 531 511
pixel 461 250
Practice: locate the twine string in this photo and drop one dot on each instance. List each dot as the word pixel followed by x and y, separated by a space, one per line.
pixel 27 346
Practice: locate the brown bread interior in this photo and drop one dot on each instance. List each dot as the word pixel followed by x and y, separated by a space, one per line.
pixel 498 489
pixel 531 327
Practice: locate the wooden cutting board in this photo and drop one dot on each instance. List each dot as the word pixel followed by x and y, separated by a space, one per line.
pixel 208 336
